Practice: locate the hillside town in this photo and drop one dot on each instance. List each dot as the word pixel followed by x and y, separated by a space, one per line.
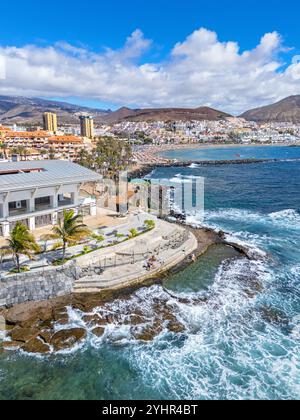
pixel 52 140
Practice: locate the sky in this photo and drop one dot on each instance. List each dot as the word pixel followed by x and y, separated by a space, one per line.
pixel 230 55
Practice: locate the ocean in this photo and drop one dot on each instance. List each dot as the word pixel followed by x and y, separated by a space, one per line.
pixel 241 316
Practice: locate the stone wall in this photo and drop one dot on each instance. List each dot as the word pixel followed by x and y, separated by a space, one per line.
pixel 37 285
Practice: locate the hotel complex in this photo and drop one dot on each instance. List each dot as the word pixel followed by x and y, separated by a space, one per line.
pixel 36 193
pixel 50 122
pixel 50 142
pixel 87 126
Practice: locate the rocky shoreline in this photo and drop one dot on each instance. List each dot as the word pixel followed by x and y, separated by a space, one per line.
pixel 31 326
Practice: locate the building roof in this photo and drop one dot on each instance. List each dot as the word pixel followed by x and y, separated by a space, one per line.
pixel 16 176
pixel 28 134
pixel 6 129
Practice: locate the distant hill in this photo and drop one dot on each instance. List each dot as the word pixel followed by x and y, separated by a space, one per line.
pixel 165 114
pixel 22 110
pixel 30 110
pixel 287 110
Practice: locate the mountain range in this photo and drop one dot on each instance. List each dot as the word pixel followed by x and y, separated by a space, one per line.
pixel 15 109
pixel 30 110
pixel 286 110
pixel 23 110
pixel 166 114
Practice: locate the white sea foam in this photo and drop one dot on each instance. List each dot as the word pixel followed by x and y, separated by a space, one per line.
pixel 224 354
pixel 288 218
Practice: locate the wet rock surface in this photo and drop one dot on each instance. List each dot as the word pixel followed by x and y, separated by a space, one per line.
pixel 24 334
pixel 65 339
pixel 274 316
pixel 99 331
pixel 36 345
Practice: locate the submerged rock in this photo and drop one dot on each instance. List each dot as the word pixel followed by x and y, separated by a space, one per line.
pixel 65 339
pixel 274 315
pixel 149 332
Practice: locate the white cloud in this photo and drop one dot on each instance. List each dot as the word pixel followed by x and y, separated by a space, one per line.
pixel 201 70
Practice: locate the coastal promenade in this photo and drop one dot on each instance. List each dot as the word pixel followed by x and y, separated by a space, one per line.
pixel 114 266
pixel 126 263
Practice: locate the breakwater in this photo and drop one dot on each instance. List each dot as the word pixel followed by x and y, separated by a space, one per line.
pixel 147 168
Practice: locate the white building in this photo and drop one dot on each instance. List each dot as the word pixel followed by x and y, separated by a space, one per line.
pixel 36 193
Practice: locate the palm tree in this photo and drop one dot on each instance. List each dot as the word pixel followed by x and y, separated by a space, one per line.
pixel 46 238
pixel 22 242
pixel 4 252
pixel 3 148
pixel 70 229
pixel 51 155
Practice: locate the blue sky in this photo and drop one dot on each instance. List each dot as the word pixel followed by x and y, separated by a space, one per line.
pixel 96 26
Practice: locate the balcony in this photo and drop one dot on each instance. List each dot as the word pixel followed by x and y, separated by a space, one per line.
pixel 18 212
pixel 65 202
pixel 42 207
pixel 17 208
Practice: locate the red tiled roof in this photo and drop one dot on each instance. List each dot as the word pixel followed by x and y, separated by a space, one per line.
pixel 27 134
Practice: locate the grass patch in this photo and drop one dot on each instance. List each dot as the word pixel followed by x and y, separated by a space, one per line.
pixel 23 269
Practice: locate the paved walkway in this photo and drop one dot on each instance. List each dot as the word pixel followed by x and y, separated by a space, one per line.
pixel 124 265
pixel 108 231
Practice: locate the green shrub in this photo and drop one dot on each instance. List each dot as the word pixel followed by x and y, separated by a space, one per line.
pixel 23 269
pixel 98 238
pixel 86 250
pixel 119 235
pixel 133 233
pixel 149 224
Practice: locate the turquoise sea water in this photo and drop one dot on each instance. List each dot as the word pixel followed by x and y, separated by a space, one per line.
pixel 242 317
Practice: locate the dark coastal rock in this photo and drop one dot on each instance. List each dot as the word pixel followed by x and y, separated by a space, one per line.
pixel 45 336
pixel 66 339
pixel 93 320
pixel 28 314
pixel 252 286
pixel 12 345
pixel 274 316
pixel 99 331
pixel 86 302
pixel 148 333
pixel 137 319
pixel 176 327
pixel 24 334
pixel 47 325
pixel 36 345
pixel 60 314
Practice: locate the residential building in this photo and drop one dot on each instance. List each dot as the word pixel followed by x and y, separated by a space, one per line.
pixel 41 142
pixel 26 139
pixel 50 122
pixel 36 193
pixel 87 126
pixel 65 146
